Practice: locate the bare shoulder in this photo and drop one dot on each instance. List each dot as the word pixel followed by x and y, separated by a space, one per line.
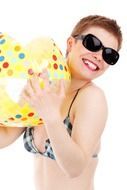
pixel 91 108
pixel 92 94
pixel 93 90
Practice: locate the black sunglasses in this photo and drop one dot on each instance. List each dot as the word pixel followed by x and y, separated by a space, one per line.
pixel 92 43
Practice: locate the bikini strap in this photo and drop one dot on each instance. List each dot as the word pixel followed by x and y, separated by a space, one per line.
pixel 72 102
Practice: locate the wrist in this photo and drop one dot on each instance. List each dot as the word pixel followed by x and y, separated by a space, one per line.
pixel 52 119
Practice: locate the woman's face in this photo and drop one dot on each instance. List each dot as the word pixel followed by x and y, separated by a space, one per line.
pixel 85 64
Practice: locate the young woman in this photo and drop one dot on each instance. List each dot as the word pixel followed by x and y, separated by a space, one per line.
pixel 66 148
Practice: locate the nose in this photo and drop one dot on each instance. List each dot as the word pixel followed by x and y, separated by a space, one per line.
pixel 98 55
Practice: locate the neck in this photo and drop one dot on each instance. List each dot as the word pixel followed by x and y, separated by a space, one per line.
pixel 76 84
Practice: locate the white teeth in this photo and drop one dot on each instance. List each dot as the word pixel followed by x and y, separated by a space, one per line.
pixel 90 65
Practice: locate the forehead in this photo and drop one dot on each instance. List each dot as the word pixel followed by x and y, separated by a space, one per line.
pixel 107 38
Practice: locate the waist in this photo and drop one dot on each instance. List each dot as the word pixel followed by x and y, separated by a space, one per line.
pixel 50 176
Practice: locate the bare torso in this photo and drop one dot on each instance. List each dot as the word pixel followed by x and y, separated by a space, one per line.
pixel 49 176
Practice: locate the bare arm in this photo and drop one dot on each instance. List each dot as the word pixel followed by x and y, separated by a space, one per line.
pixel 73 154
pixel 9 134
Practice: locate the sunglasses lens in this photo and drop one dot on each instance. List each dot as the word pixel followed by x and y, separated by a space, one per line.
pixel 110 56
pixel 91 43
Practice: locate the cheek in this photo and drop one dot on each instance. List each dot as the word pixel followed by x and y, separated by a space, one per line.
pixel 106 66
pixel 71 57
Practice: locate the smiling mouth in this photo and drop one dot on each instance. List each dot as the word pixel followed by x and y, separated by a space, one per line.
pixel 90 65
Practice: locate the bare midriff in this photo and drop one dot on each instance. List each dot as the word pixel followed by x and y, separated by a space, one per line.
pixel 49 176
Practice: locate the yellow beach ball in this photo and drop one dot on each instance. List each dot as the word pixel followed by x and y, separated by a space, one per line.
pixel 17 65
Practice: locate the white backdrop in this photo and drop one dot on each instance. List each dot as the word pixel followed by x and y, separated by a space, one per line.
pixel 26 19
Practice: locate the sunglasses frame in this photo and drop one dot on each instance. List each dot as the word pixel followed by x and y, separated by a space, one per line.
pixel 102 47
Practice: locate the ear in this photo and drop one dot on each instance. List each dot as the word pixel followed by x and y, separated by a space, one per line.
pixel 70 42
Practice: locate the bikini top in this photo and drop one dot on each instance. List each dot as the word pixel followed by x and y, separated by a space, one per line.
pixel 29 140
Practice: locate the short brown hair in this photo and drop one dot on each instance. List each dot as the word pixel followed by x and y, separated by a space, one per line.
pixel 101 21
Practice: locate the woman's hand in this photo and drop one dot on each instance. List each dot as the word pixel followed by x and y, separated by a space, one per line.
pixel 47 101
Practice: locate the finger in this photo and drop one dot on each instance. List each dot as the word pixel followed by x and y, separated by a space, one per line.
pixel 30 88
pixel 25 96
pixel 62 87
pixel 45 77
pixel 27 99
pixel 53 86
pixel 44 74
pixel 35 84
